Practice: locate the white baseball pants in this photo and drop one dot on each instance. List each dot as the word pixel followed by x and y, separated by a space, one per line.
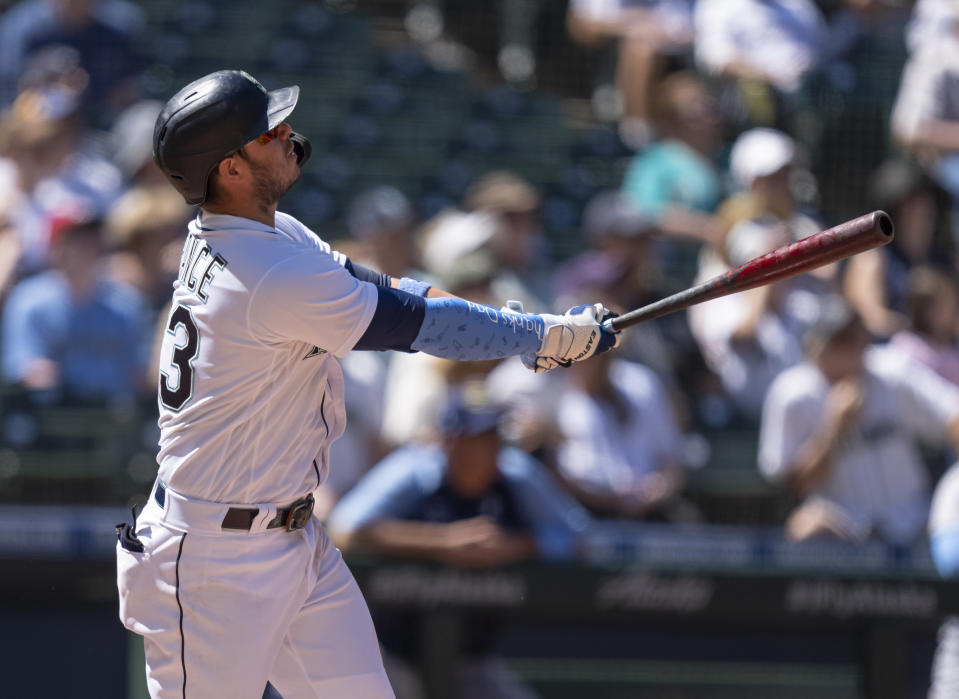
pixel 223 611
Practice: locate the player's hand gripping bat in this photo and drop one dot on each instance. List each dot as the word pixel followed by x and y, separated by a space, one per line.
pixel 846 239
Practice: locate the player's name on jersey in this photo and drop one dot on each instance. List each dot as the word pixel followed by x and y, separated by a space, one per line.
pixel 198 266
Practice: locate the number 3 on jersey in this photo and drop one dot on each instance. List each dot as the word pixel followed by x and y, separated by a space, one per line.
pixel 181 361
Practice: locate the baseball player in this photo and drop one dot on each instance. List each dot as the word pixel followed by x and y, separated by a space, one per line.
pixel 225 572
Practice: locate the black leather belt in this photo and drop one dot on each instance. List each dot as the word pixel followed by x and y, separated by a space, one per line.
pixel 291 518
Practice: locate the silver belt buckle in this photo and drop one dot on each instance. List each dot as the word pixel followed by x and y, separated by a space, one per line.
pixel 300 513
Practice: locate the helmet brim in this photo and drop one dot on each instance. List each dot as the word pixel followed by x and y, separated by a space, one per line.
pixel 281 104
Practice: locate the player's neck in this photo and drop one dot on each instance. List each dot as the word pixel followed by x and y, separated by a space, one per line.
pixel 245 209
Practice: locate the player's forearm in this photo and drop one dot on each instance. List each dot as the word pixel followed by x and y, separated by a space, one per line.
pixel 465 331
pixel 453 328
pixel 449 327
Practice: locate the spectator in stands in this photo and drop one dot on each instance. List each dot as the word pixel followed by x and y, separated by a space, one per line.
pixel 748 338
pixel 54 67
pixel 925 117
pixel 620 264
pixel 944 540
pixel 381 223
pixel 618 230
pixel 9 236
pixel 145 230
pixel 645 34
pixel 103 33
pixel 51 170
pixel 674 181
pixel 131 144
pixel 516 41
pixel 765 48
pixel 71 331
pixel 763 165
pixel 468 502
pixel 929 21
pixel 925 105
pixel 619 447
pixel 932 334
pixel 842 430
pixel 876 281
pixel 517 243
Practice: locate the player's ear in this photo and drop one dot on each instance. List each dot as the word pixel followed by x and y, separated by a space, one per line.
pixel 231 165
pixel 228 169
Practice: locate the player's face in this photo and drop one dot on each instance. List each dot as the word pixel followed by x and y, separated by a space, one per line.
pixel 273 164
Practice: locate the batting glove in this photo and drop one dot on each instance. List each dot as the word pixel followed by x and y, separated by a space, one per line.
pixel 572 337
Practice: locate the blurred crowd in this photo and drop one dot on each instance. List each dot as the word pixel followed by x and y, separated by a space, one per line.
pixel 849 376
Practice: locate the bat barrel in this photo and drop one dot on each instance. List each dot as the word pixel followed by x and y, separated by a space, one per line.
pixel 857 235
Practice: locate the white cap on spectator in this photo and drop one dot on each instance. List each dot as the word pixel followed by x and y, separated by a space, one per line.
pixel 453 234
pixel 758 153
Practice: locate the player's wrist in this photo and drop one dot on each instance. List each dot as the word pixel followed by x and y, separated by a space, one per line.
pixel 573 337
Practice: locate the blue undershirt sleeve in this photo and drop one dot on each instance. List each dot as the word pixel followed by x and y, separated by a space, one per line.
pixel 365 274
pixel 454 328
pixel 450 328
pixel 414 286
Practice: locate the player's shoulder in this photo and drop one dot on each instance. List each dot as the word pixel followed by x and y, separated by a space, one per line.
pixel 297 231
pixel 254 250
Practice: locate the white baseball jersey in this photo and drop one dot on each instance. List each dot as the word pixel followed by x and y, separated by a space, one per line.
pixel 250 392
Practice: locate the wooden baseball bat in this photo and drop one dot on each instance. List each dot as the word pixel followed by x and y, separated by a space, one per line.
pixel 846 239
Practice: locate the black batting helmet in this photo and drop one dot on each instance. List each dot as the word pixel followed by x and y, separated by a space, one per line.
pixel 213 117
